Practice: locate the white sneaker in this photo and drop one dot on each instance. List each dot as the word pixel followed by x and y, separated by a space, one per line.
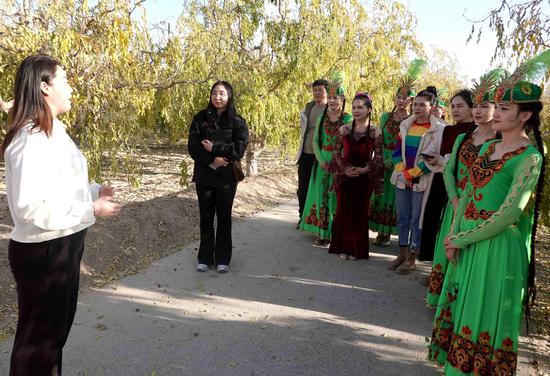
pixel 352 258
pixel 222 268
pixel 202 267
pixel 343 256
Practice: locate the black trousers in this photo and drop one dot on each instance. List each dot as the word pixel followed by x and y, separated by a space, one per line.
pixel 218 201
pixel 433 213
pixel 47 276
pixel 305 166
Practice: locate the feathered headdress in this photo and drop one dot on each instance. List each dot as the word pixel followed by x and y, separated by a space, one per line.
pixel 440 98
pixel 336 84
pixel 406 84
pixel 519 86
pixel 484 90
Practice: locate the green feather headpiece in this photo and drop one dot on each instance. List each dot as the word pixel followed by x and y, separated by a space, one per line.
pixel 519 86
pixel 406 84
pixel 484 90
pixel 441 95
pixel 336 84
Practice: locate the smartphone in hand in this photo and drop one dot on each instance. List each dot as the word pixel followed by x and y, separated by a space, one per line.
pixel 427 156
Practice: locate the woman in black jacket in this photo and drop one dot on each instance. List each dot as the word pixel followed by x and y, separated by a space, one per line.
pixel 217 139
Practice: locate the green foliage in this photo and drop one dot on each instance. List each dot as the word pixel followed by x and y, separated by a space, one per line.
pixel 101 49
pixel 133 89
pixel 522 28
pixel 271 54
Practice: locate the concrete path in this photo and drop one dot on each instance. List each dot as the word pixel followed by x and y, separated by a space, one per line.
pixel 286 308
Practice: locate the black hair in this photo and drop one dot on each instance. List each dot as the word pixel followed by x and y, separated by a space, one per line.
pixel 533 123
pixel 320 82
pixel 367 101
pixel 29 105
pixel 465 94
pixel 430 93
pixel 213 119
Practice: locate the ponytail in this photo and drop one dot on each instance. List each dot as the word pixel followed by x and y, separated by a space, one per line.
pixel 533 123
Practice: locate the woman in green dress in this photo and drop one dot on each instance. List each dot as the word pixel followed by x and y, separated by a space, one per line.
pixel 491 275
pixel 465 151
pixel 382 213
pixel 320 206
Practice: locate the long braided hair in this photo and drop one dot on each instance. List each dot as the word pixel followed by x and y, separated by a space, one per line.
pixel 533 123
pixel 320 135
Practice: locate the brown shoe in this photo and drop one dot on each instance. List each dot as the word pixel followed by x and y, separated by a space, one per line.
pixel 385 240
pixel 322 242
pixel 378 239
pixel 403 253
pixel 409 265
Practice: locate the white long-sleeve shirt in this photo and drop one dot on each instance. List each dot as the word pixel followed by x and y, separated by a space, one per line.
pixel 49 194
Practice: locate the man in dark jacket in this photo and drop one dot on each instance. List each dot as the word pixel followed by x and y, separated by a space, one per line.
pixel 306 157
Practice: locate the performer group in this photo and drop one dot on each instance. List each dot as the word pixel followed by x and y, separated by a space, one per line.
pixel 464 196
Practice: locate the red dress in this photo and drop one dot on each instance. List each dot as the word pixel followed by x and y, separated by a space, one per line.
pixel 350 231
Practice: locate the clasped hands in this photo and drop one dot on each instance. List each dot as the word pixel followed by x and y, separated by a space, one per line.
pixel 451 250
pixel 354 172
pixel 218 161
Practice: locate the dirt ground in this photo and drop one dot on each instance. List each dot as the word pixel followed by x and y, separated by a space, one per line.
pixel 158 218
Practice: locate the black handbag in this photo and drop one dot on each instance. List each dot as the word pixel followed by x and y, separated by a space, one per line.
pixel 237 168
pixel 225 137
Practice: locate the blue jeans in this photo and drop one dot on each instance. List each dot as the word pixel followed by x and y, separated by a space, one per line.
pixel 409 206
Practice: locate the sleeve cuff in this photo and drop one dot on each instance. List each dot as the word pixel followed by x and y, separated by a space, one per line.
pixel 414 172
pixel 399 167
pixel 94 190
pixel 407 175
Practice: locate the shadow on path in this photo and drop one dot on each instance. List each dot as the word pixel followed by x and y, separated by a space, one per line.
pixel 285 308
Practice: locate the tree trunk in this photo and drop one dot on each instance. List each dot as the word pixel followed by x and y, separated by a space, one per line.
pixel 255 146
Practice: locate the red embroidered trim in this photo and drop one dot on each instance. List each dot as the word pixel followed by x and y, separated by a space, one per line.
pixel 483 168
pixel 474 214
pixel 332 132
pixel 468 152
pixel 480 358
pixel 462 182
pixel 436 280
pixel 393 129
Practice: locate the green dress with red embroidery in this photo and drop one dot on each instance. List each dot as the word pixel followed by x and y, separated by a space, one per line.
pixel 320 206
pixel 455 177
pixel 382 214
pixel 477 321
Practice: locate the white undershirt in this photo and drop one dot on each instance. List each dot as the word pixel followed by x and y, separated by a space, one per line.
pixel 49 194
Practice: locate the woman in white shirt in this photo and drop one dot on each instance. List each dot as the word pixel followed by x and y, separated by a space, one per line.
pixel 52 204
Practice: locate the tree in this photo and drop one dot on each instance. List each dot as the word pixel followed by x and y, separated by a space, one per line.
pixel 271 53
pixel 521 28
pixel 106 56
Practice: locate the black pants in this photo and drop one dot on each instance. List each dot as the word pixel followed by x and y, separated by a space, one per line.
pixel 305 166
pixel 433 213
pixel 47 276
pixel 215 201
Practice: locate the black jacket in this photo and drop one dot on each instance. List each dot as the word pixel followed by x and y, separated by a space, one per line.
pixel 230 139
